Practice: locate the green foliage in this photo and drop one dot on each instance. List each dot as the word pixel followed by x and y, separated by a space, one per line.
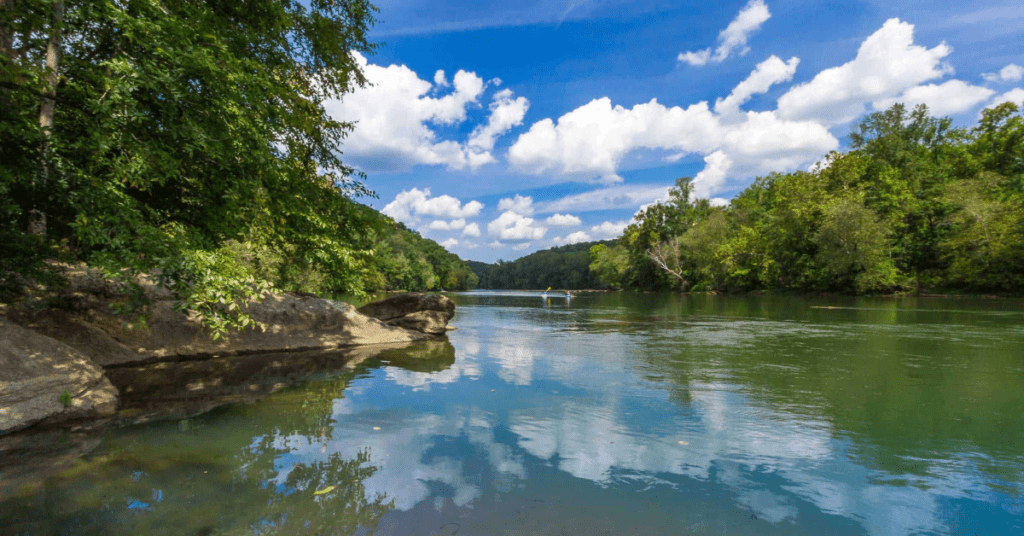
pixel 564 267
pixel 401 259
pixel 852 243
pixel 65 399
pixel 610 264
pixel 181 127
pixel 914 204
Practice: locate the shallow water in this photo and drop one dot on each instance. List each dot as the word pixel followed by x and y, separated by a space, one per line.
pixel 619 414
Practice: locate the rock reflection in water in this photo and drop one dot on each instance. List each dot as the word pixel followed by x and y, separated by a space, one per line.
pixel 182 476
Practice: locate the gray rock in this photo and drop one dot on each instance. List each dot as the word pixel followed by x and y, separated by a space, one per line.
pixel 432 322
pixel 292 323
pixel 427 313
pixel 404 304
pixel 36 370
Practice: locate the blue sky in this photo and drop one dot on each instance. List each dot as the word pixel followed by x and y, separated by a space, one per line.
pixel 498 131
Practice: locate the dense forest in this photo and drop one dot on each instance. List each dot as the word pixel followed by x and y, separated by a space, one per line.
pixel 404 260
pixel 565 267
pixel 914 205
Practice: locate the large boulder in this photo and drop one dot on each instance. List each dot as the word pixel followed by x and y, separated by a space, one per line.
pixel 43 380
pixel 428 313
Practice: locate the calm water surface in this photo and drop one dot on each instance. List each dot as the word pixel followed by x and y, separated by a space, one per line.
pixel 618 414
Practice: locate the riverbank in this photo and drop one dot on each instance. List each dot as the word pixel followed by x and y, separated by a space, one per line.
pixel 56 362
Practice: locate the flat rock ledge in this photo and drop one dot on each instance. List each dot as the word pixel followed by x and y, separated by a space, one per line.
pixel 44 379
pixel 45 353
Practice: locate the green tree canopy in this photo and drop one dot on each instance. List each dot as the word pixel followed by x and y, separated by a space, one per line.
pixel 175 127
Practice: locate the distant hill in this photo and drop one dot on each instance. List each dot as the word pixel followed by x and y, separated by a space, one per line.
pixel 564 267
pixel 404 260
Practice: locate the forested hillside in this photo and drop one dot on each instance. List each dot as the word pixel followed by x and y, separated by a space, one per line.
pixel 565 267
pixel 915 204
pixel 404 260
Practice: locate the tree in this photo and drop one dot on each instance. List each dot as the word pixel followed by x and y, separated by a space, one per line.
pixel 853 247
pixel 173 128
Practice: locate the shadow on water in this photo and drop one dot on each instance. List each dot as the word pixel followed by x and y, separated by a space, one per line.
pixel 206 460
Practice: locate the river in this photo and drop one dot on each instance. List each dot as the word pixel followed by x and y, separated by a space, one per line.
pixel 608 413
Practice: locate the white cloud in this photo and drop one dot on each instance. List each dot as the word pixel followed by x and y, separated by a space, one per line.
pixel 513 226
pixel 471 230
pixel 573 238
pixel 699 57
pixel 495 244
pixel 887 63
pixel 449 244
pixel 520 247
pixel 589 142
pixel 768 73
pixel 439 79
pixel 609 229
pixel 409 205
pixel 505 114
pixel 734 37
pixel 1015 95
pixel 441 225
pixel 394 116
pixel 1010 73
pixel 518 204
pixel 564 220
pixel 615 197
pixel 951 97
pixel 592 140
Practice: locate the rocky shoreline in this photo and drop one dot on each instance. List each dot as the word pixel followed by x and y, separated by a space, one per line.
pixel 57 365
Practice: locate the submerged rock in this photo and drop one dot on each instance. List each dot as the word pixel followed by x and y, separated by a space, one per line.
pixel 428 313
pixel 43 380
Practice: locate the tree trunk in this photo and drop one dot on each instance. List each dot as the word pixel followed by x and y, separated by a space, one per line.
pixel 6 30
pixel 37 217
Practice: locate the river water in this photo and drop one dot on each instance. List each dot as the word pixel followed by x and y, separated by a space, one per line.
pixel 613 413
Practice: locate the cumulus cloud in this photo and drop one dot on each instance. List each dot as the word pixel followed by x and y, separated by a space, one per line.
pixel 441 225
pixel 1015 96
pixel 439 79
pixel 495 244
pixel 563 220
pixel 449 244
pixel 471 230
pixel 1010 73
pixel 513 226
pixel 591 141
pixel 734 37
pixel 395 116
pixel 609 229
pixel 518 204
pixel 948 98
pixel 506 113
pixel 410 205
pixel 887 64
pixel 767 73
pixel 520 247
pixel 573 238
